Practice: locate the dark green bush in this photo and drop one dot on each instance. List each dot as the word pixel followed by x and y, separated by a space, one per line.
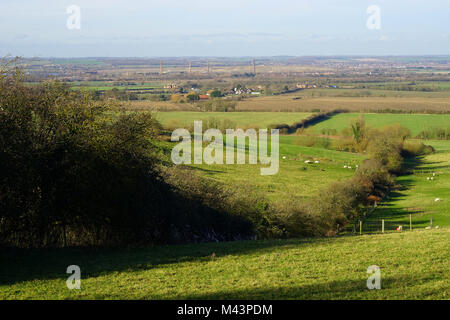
pixel 72 176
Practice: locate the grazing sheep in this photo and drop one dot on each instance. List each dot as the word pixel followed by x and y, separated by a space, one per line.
pixel 308 161
pixel 428 228
pixel 434 174
pixel 284 158
pixel 349 167
pixel 432 178
pixel 316 161
pixel 437 227
pixel 437 200
pixel 428 178
pixel 345 167
pixel 357 166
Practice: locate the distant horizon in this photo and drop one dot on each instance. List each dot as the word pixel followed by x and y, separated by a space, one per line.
pixel 234 57
pixel 233 28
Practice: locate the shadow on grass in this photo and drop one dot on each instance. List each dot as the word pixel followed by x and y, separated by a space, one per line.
pixel 343 289
pixel 393 215
pixel 19 265
pixel 339 289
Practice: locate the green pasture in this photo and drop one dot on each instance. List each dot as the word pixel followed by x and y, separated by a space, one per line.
pixel 415 122
pixel 414 265
pixel 418 193
pixel 295 178
pixel 240 119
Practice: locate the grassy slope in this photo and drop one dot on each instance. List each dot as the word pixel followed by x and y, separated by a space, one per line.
pixel 294 176
pixel 243 119
pixel 414 265
pixel 415 122
pixel 417 196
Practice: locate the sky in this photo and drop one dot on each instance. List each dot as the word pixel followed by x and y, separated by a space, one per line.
pixel 232 28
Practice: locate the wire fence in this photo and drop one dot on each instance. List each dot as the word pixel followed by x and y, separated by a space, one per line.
pixel 384 225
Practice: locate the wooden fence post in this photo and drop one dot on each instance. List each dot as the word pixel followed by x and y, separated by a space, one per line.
pixel 431 223
pixel 360 227
pixel 410 222
pixel 382 225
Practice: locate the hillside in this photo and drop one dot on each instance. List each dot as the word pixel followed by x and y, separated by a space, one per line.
pixel 414 265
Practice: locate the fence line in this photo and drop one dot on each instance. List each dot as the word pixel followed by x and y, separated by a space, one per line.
pixel 383 225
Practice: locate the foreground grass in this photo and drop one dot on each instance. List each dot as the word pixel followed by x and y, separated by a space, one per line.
pixel 414 265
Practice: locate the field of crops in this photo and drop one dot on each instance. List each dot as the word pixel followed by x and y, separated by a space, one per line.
pixel 312 100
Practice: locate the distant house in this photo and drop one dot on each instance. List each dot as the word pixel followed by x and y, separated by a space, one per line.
pixel 306 86
pixel 203 97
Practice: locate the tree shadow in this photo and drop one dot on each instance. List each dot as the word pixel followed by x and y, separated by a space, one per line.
pixel 342 289
pixel 19 265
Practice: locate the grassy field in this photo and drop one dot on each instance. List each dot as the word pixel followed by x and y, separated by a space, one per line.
pixel 294 178
pixel 418 194
pixel 414 265
pixel 241 119
pixel 415 122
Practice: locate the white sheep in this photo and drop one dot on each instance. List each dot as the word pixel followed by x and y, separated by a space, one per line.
pixel 349 167
pixel 428 178
pixel 345 167
pixel 437 227
pixel 428 228
pixel 437 200
pixel 284 158
pixel 434 174
pixel 316 161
